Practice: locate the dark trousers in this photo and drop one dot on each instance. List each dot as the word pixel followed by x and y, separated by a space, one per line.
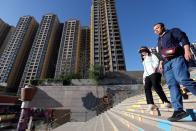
pixel 154 80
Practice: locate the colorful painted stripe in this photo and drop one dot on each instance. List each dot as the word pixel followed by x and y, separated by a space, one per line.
pixel 164 124
pixel 192 115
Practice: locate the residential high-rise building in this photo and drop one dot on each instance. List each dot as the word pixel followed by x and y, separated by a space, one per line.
pixel 4 29
pixel 8 37
pixel 84 58
pixel 193 49
pixel 106 47
pixel 42 58
pixel 14 56
pixel 153 49
pixel 68 62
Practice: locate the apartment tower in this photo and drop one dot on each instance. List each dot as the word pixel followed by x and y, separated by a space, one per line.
pixel 68 62
pixel 6 40
pixel 106 47
pixel 4 29
pixel 13 58
pixel 42 58
pixel 84 58
pixel 193 50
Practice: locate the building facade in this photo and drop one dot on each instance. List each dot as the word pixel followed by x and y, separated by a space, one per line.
pixel 106 46
pixel 193 49
pixel 68 56
pixel 13 58
pixel 42 57
pixel 4 29
pixel 6 40
pixel 84 58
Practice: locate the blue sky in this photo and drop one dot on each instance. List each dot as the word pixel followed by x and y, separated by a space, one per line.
pixel 136 18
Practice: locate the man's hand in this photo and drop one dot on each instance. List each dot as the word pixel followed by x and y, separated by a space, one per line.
pixel 187 53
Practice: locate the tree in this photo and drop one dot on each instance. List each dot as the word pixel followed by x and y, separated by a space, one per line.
pixel 96 72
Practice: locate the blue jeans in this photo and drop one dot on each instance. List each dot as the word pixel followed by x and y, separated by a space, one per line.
pixel 176 73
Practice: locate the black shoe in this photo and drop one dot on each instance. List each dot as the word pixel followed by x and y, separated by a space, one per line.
pixel 178 115
pixel 184 92
pixel 185 96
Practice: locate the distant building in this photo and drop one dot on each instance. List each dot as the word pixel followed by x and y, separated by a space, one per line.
pixel 106 47
pixel 4 29
pixel 6 40
pixel 153 49
pixel 84 59
pixel 68 56
pixel 13 58
pixel 42 59
pixel 193 49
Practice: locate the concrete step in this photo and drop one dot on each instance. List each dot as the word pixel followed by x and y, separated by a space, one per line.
pixel 87 126
pixel 108 124
pixel 167 112
pixel 188 104
pixel 156 99
pixel 142 107
pixel 91 124
pixel 190 95
pixel 160 122
pixel 132 124
pixel 121 123
pixel 100 124
pixel 70 126
pixel 158 102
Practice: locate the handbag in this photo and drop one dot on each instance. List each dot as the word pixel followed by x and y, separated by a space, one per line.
pixel 168 52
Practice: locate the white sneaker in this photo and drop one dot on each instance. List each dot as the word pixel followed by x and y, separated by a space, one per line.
pixel 167 105
pixel 152 107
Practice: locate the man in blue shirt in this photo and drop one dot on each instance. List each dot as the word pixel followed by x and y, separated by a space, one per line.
pixel 174 47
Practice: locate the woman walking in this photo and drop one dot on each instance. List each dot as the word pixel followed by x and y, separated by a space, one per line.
pixel 152 77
